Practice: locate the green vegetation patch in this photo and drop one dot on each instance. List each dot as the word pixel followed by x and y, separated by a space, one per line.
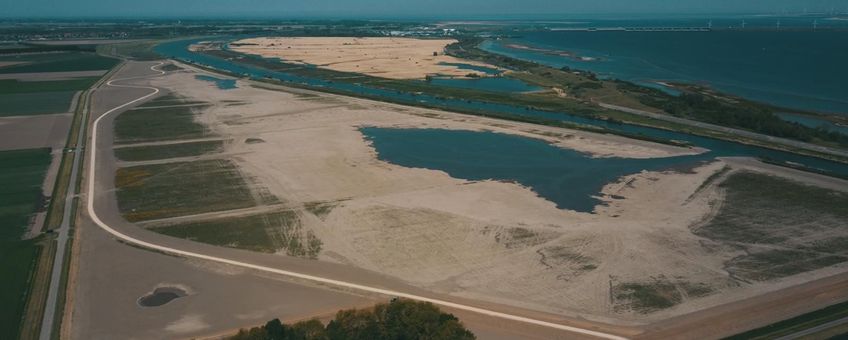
pixel 20 104
pixel 806 222
pixel 268 233
pixel 796 324
pixel 157 124
pixel 58 62
pixel 645 297
pixel 399 319
pixel 50 96
pixel 136 50
pixel 656 294
pixel 518 237
pixel 320 209
pixel 706 106
pixel 14 86
pixel 21 176
pixel 152 152
pixel 563 258
pixel 777 263
pixel 170 68
pixel 176 189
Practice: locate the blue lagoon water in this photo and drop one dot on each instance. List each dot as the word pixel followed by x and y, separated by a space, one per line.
pixel 565 177
pixel 796 69
pixel 224 84
pixel 491 84
pixel 813 122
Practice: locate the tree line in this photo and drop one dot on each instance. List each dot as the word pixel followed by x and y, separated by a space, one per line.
pixel 398 320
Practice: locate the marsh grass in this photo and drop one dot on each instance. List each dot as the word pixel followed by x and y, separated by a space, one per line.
pixel 268 233
pixel 153 152
pixel 176 189
pixel 761 212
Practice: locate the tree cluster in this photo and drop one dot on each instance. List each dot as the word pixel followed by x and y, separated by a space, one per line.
pixel 398 320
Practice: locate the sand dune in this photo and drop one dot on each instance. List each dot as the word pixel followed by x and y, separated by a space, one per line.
pixel 395 58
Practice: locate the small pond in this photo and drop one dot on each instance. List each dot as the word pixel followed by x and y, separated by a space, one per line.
pixel 161 296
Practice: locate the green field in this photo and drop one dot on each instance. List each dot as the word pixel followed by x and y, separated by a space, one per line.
pixel 51 96
pixel 786 227
pixel 266 233
pixel 20 104
pixel 21 175
pixel 152 122
pixel 12 86
pixel 177 189
pixel 58 62
pixel 136 50
pixel 152 152
pixel 796 324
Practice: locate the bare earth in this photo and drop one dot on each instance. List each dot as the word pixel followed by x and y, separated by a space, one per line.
pixel 486 240
pixel 396 58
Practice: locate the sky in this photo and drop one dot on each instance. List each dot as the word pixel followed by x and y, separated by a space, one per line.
pixel 368 9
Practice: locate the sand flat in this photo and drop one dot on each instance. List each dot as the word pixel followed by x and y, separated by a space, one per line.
pixel 386 57
pixel 486 240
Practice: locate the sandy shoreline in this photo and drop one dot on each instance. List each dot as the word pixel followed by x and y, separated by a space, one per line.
pixel 394 58
pixel 487 240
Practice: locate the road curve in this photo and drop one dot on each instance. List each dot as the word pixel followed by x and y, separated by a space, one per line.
pixel 93 215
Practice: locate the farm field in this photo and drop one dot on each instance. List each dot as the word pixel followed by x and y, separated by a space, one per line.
pixel 56 62
pixel 46 83
pixel 21 175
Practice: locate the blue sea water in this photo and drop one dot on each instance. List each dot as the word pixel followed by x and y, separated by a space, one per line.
pixel 796 69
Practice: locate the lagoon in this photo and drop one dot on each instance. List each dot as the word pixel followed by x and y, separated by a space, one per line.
pixel 491 84
pixel 566 177
pixel 223 84
pixel 179 49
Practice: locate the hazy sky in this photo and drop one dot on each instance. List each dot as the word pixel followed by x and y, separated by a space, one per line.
pixel 399 8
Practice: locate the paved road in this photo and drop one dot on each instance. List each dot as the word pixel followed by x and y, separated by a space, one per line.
pixel 63 234
pixel 814 330
pixel 90 204
pixel 732 131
